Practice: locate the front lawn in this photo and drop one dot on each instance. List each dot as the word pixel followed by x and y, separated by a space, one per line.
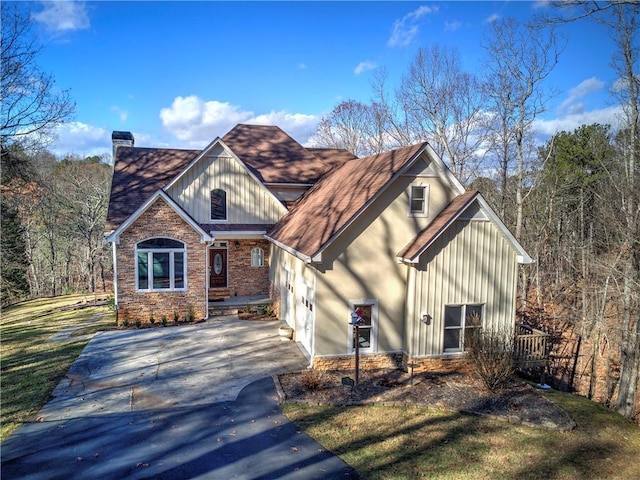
pixel 30 366
pixel 411 442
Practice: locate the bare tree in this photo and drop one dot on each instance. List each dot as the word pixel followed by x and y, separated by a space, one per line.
pixel 31 103
pixel 518 61
pixel 444 105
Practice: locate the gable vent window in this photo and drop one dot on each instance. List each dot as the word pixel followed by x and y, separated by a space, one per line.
pixel 160 265
pixel 418 200
pixel 218 204
pixel 257 257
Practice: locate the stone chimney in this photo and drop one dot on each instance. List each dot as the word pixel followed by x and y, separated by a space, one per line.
pixel 121 139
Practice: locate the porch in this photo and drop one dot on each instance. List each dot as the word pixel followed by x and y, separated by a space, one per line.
pixel 232 305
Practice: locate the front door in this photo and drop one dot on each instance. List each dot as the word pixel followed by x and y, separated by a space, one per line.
pixel 217 268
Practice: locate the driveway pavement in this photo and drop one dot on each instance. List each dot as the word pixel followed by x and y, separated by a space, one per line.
pixel 183 402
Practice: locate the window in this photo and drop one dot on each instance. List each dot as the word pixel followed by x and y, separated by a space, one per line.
pixel 257 257
pixel 160 264
pixel 218 204
pixel 367 312
pixel 458 321
pixel 418 200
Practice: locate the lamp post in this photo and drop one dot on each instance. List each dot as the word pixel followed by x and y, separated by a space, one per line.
pixel 355 322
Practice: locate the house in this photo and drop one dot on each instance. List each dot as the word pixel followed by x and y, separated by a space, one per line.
pixel 392 240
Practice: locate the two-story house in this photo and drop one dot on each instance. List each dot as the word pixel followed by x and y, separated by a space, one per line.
pixel 392 241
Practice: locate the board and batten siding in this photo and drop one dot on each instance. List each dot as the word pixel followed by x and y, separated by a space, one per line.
pixel 471 263
pixel 247 201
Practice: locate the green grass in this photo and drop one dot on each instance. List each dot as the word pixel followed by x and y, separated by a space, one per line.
pixel 30 367
pixel 411 443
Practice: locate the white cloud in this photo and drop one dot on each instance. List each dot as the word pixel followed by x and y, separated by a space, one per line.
pixel 81 139
pixel 452 26
pixel 568 123
pixel 121 113
pixel 197 122
pixel 492 18
pixel 302 66
pixel 572 104
pixel 363 67
pixel 405 29
pixel 63 16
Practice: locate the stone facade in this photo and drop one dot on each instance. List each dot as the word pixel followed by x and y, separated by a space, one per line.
pixel 375 361
pixel 243 278
pixel 160 220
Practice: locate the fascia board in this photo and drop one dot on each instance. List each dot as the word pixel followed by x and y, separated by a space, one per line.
pixel 115 235
pixel 444 171
pixel 289 250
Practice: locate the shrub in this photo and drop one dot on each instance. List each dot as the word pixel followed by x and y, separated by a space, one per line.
pixel 314 380
pixel 152 319
pixel 138 323
pixel 163 320
pixel 191 314
pixel 176 317
pixel 492 355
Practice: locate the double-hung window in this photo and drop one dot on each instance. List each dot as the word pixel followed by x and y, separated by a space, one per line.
pixel 365 313
pixel 460 320
pixel 160 264
pixel 257 257
pixel 418 200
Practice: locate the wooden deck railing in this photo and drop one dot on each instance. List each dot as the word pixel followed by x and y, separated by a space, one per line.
pixel 531 346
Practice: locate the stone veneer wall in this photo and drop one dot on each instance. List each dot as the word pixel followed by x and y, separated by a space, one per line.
pixel 243 278
pixel 374 361
pixel 160 220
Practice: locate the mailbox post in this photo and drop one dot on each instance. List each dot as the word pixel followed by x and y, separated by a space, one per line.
pixel 355 322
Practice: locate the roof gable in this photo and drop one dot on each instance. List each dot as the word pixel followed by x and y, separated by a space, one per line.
pixel 159 194
pixel 137 174
pixel 337 199
pixel 455 210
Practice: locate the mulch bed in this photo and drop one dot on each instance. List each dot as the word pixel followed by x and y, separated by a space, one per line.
pixel 518 403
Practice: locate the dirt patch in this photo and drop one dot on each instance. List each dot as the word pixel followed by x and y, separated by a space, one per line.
pixel 519 403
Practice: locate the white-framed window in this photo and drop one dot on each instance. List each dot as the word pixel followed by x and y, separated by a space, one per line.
pixel 366 310
pixel 257 257
pixel 458 321
pixel 161 264
pixel 218 205
pixel 418 200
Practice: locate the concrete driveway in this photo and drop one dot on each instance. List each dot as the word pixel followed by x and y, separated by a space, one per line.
pixel 183 402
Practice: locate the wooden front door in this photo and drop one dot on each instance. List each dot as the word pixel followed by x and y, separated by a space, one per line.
pixel 217 268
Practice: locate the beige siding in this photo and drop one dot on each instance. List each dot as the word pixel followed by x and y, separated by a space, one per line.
pixel 472 263
pixel 248 201
pixel 362 264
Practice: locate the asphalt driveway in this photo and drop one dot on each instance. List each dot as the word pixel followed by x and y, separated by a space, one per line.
pixel 183 402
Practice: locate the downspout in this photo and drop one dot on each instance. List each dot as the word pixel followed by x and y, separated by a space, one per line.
pixel 206 270
pixel 115 279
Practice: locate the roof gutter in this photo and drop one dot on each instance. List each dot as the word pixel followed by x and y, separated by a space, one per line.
pixel 286 248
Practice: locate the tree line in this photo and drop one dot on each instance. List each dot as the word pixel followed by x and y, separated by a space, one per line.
pixel 572 201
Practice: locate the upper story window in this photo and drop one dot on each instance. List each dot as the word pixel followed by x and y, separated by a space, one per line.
pixel 257 257
pixel 218 204
pixel 160 264
pixel 418 200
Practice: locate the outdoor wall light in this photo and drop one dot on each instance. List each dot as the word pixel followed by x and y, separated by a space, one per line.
pixel 426 319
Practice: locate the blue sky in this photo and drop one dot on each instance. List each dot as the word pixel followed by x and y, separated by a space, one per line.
pixel 179 74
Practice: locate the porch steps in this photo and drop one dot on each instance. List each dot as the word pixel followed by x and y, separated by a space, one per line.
pixel 218 294
pixel 234 305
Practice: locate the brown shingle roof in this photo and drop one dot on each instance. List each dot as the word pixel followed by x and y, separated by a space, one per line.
pixel 138 173
pixel 275 157
pixel 438 225
pixel 331 204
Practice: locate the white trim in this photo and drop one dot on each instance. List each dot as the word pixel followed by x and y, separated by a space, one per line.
pixel 226 207
pixel 424 213
pixel 259 263
pixel 289 250
pixel 172 273
pixel 115 274
pixel 115 236
pixel 239 235
pixel 374 324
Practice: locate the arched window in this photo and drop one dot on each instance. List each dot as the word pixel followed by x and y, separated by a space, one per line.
pixel 161 264
pixel 257 257
pixel 218 204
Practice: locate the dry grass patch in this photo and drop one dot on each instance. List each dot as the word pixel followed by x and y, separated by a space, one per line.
pixel 30 366
pixel 414 442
